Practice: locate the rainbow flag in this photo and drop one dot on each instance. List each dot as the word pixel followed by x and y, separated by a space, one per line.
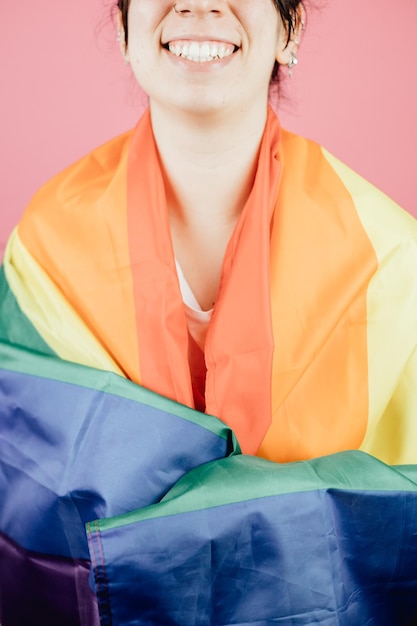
pixel 78 444
pixel 119 506
pixel 245 541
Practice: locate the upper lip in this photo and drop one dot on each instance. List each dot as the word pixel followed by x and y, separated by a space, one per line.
pixel 199 38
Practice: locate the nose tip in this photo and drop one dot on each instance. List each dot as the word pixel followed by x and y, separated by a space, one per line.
pixel 188 8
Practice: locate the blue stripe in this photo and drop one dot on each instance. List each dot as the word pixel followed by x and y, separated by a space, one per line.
pixel 319 557
pixel 70 454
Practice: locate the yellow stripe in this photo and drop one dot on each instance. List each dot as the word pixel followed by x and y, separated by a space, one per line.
pixel 54 319
pixel 392 322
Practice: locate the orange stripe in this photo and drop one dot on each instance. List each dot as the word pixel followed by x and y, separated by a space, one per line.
pixel 161 324
pixel 76 229
pixel 239 343
pixel 321 265
pixel 239 346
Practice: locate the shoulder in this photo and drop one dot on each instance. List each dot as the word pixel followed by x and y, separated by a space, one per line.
pixel 386 224
pixel 391 230
pixel 77 207
pixel 77 202
pixel 91 174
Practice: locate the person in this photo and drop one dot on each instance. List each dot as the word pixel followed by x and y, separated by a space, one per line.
pixel 209 367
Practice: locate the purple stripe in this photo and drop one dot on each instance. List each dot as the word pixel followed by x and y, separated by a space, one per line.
pixel 44 590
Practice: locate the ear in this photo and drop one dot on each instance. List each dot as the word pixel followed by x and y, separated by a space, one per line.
pixel 288 48
pixel 121 37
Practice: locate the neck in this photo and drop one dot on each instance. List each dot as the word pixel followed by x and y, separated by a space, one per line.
pixel 209 162
pixel 209 165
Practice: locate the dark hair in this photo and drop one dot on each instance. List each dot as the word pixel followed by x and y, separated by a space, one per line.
pixel 291 20
pixel 123 6
pixel 286 8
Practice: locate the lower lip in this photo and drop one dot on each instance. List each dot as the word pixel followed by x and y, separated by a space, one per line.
pixel 199 66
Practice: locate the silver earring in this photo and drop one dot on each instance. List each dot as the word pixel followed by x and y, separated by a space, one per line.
pixel 119 36
pixel 292 63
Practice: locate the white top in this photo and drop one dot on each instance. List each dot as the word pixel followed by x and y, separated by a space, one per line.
pixel 197 320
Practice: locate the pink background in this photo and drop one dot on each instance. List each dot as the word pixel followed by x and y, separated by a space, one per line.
pixel 65 90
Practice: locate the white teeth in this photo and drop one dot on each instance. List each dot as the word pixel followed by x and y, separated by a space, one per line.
pixel 194 51
pixel 204 51
pixel 221 52
pixel 200 52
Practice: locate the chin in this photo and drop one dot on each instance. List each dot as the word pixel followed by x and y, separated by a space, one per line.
pixel 202 104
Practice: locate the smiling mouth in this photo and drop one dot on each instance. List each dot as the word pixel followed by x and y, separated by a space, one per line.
pixel 200 51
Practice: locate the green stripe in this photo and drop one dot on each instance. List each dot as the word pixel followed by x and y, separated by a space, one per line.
pixel 242 478
pixel 15 328
pixel 15 359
